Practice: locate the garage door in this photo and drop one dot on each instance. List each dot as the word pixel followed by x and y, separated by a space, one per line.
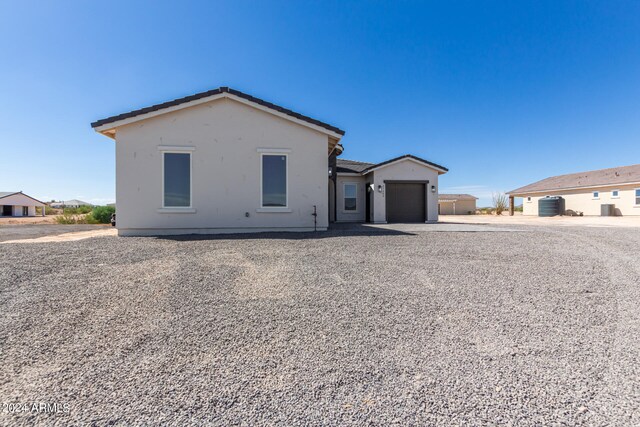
pixel 405 202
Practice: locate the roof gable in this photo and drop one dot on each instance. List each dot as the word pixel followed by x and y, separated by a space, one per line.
pixel 406 157
pixel 4 194
pixel 597 178
pixel 112 122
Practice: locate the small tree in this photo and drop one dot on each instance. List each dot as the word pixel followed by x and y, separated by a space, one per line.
pixel 500 203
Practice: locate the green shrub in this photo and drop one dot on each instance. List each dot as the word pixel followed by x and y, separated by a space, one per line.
pixel 101 215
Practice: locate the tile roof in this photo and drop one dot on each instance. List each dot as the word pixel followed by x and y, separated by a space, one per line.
pixel 455 197
pixel 351 166
pixel 406 156
pixel 611 176
pixel 212 92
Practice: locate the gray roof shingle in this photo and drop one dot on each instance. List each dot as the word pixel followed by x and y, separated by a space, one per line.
pixel 452 197
pixel 611 176
pixel 351 166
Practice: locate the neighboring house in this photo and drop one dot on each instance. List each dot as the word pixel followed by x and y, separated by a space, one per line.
pixel 16 203
pixel 585 192
pixel 225 161
pixel 456 204
pixel 75 203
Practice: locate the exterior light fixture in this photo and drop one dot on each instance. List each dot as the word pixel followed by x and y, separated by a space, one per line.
pixel 380 188
pixel 330 171
pixel 433 189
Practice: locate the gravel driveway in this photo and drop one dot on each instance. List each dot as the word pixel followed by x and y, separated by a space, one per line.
pixel 370 328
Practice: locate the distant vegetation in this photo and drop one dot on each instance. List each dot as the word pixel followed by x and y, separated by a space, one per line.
pixel 85 209
pixel 86 215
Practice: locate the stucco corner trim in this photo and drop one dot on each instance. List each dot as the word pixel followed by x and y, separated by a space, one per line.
pixel 274 210
pixel 176 210
pixel 176 148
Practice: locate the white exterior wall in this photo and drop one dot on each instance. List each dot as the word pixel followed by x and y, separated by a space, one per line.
pixel 17 201
pixel 460 207
pixel 582 201
pixel 359 214
pixel 404 170
pixel 225 136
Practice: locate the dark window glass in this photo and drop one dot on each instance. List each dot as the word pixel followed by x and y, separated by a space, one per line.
pixel 177 180
pixel 350 197
pixel 274 181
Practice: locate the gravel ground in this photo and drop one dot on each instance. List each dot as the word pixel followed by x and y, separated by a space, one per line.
pixel 32 231
pixel 376 328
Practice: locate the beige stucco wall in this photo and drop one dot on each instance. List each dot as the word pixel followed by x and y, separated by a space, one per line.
pixel 226 136
pixel 17 201
pixel 403 170
pixel 359 214
pixel 582 200
pixel 462 207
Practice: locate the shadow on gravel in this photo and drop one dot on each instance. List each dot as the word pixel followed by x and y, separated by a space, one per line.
pixel 335 230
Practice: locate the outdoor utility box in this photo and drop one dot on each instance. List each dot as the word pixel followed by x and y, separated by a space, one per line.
pixel 607 210
pixel 551 206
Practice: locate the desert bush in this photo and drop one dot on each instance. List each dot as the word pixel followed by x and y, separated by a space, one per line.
pixel 500 203
pixel 101 215
pixel 66 218
pixel 84 209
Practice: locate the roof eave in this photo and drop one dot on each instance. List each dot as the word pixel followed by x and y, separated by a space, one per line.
pixel 440 169
pixel 104 126
pixel 519 191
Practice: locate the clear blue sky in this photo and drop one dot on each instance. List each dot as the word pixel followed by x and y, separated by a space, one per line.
pixel 502 93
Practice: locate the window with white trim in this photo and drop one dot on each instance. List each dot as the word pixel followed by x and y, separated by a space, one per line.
pixel 596 195
pixel 274 181
pixel 637 196
pixel 350 197
pixel 176 179
pixel 615 194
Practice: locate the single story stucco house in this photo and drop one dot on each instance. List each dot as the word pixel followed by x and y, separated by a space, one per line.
pixel 586 192
pixel 224 161
pixel 456 204
pixel 74 203
pixel 16 203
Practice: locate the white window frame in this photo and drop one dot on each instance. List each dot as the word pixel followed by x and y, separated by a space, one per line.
pixel 344 205
pixel 615 197
pixel 593 195
pixel 275 152
pixel 636 197
pixel 178 150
